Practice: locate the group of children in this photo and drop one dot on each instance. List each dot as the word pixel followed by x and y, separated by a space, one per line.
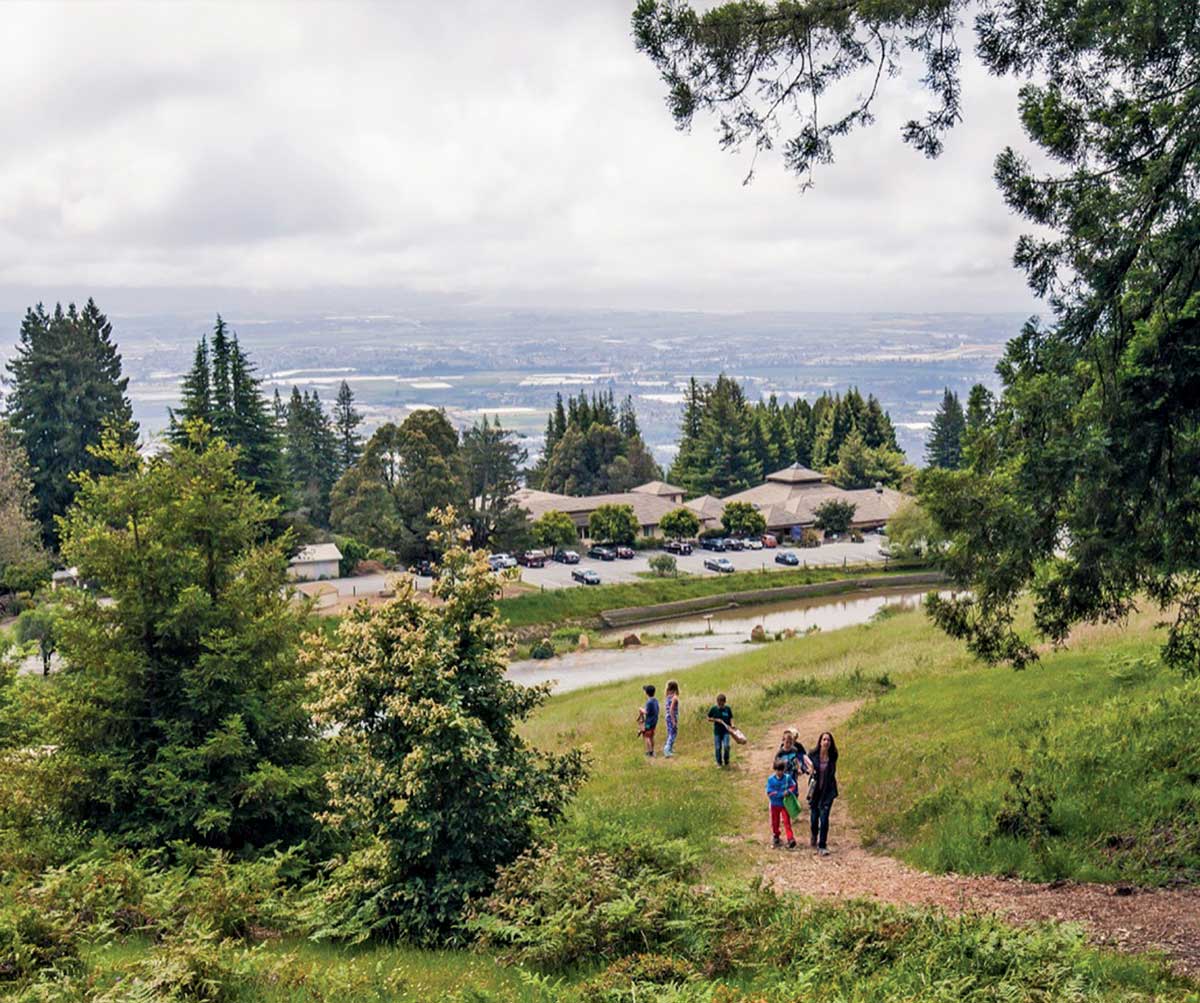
pixel 783 784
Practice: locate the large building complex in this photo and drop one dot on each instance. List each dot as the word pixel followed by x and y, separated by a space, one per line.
pixel 788 500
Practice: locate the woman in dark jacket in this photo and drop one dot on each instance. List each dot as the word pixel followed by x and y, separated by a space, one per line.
pixel 822 789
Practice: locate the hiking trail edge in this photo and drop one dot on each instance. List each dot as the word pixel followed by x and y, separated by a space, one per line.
pixel 1121 916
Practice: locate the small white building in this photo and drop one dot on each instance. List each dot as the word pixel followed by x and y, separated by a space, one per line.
pixel 318 560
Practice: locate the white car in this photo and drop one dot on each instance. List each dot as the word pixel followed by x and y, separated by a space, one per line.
pixel 501 562
pixel 754 544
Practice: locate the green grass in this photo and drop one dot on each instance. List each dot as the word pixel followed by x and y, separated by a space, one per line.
pixel 925 766
pixel 558 606
pixel 1109 738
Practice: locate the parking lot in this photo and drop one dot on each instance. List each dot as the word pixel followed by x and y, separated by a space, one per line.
pixel 557 576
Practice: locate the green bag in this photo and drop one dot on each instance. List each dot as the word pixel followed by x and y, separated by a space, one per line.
pixel 792 805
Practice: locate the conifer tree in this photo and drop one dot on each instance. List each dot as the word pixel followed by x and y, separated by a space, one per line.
pixel 66 387
pixel 944 447
pixel 179 713
pixel 492 459
pixel 196 399
pixel 345 422
pixel 252 427
pixel 802 432
pixel 221 381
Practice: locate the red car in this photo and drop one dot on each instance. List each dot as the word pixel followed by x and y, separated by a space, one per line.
pixel 625 553
pixel 532 559
pixel 769 541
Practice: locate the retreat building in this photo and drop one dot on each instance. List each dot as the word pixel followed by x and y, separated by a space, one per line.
pixel 788 500
pixel 318 560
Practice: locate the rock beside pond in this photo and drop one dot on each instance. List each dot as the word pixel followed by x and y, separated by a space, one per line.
pixel 758 634
pixel 630 641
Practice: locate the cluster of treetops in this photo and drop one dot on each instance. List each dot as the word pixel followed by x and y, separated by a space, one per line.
pixel 67 387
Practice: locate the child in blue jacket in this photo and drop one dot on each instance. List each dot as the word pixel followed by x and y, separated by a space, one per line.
pixel 779 785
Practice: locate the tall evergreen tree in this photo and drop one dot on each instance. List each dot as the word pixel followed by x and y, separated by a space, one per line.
pixel 627 421
pixel 66 386
pixel 311 452
pixel 803 432
pixel 686 469
pixel 179 714
pixel 944 447
pixel 196 397
pixel 222 380
pixel 252 427
pixel 877 429
pixel 345 422
pixel 726 441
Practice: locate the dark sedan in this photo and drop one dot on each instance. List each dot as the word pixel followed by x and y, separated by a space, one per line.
pixel 787 557
pixel 681 547
pixel 567 557
pixel 602 554
pixel 586 576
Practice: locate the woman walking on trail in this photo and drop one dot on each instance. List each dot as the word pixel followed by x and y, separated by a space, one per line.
pixel 822 789
pixel 672 717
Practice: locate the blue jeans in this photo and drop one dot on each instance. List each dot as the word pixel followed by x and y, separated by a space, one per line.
pixel 672 731
pixel 819 818
pixel 721 748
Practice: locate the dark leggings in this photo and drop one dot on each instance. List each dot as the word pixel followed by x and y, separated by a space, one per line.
pixel 819 818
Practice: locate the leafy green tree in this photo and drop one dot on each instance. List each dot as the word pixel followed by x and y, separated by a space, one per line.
pixel 911 531
pixel 346 420
pixel 23 561
pixel 552 530
pixel 593 449
pixel 613 524
pixel 492 460
pixel 39 626
pixel 835 516
pixel 433 785
pixel 180 708
pixel 405 472
pixel 743 519
pixel 945 444
pixel 66 387
pixel 1085 492
pixel 859 466
pixel 680 524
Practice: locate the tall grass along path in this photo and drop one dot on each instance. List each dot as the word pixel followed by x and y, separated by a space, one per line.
pixel 1118 916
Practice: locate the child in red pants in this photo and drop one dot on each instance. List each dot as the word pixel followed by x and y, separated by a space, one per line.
pixel 779 785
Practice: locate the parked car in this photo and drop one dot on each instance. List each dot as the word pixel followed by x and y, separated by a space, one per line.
pixel 733 543
pixel 532 559
pixel 677 547
pixel 625 553
pixel 423 569
pixel 754 544
pixel 501 561
pixel 769 541
pixel 602 554
pixel 585 576
pixel 787 557
pixel 567 557
pixel 713 543
pixel 721 564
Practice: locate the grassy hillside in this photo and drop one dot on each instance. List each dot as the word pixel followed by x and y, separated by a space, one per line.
pixel 646 897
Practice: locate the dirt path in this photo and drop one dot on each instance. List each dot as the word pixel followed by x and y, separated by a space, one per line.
pixel 1127 918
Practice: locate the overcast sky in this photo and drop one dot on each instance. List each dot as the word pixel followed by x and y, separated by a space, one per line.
pixel 508 154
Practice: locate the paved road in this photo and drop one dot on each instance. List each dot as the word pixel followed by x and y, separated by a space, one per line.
pixel 558 576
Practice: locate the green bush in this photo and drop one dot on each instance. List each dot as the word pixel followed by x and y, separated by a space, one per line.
pixel 664 565
pixel 352 552
pixel 542 649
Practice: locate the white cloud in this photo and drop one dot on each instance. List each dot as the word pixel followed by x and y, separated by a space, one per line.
pixel 516 153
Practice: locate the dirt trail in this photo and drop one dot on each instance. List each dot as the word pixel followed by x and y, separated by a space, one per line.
pixel 1127 918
